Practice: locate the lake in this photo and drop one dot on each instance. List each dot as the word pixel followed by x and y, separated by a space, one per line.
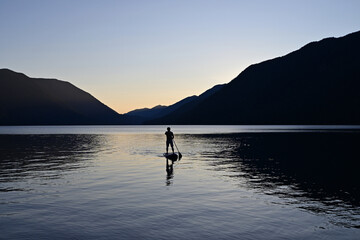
pixel 233 182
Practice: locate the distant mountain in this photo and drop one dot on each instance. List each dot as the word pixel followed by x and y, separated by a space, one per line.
pixel 175 113
pixel 37 101
pixel 146 115
pixel 317 84
pixel 176 106
pixel 146 112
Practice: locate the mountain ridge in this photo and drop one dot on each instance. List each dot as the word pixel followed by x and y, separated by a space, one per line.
pixel 316 84
pixel 40 101
pixel 146 115
pixel 187 106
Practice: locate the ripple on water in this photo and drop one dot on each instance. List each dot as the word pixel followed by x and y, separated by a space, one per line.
pixel 227 186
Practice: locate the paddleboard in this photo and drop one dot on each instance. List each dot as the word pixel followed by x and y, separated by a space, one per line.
pixel 171 156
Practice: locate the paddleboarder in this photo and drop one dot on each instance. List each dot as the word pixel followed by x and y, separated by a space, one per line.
pixel 169 140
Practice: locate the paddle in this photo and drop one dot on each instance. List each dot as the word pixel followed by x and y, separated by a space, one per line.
pixel 180 155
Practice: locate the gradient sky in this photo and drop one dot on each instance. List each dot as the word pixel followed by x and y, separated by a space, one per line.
pixel 134 54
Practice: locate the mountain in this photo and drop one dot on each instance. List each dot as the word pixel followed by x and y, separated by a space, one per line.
pixel 317 84
pixel 37 101
pixel 146 112
pixel 176 113
pixel 146 115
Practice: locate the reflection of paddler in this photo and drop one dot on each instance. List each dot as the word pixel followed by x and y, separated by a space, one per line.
pixel 169 168
pixel 169 140
pixel 169 171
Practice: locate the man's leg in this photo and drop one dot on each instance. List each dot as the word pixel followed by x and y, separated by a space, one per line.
pixel 172 147
pixel 167 147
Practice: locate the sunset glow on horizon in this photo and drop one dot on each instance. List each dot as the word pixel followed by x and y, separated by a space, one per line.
pixel 136 54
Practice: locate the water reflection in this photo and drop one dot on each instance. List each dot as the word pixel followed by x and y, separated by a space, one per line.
pixel 170 168
pixel 169 171
pixel 43 156
pixel 316 171
pixel 110 186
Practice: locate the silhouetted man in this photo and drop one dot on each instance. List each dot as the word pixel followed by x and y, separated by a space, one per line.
pixel 169 140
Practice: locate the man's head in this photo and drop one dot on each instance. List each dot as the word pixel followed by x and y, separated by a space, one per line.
pixel 168 128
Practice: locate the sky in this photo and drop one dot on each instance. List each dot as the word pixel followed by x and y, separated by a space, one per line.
pixel 142 53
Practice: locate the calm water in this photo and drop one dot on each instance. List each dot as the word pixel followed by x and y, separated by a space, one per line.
pixel 233 182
